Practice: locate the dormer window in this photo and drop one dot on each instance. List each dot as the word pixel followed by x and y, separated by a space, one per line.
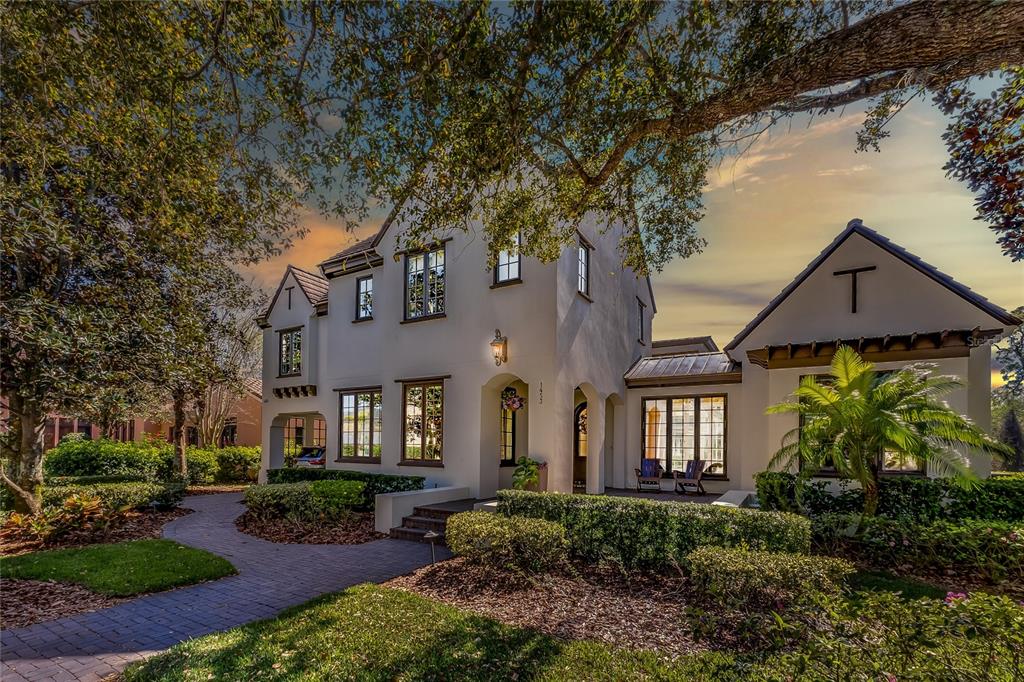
pixel 583 268
pixel 291 352
pixel 507 268
pixel 424 284
pixel 364 298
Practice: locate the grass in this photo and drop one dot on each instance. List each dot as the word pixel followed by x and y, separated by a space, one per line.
pixel 374 633
pixel 120 569
pixel 879 581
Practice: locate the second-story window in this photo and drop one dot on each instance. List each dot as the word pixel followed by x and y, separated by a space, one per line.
pixel 424 284
pixel 507 269
pixel 640 308
pixel 364 298
pixel 583 268
pixel 291 352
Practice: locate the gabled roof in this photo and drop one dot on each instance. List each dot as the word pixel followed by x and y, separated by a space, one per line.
pixel 855 226
pixel 683 368
pixel 313 286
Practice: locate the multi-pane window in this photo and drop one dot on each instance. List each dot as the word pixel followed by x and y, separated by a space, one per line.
pixel 640 308
pixel 422 422
pixel 294 434
pixel 678 430
pixel 507 269
pixel 319 432
pixel 229 434
pixel 424 284
pixel 583 268
pixel 507 446
pixel 364 298
pixel 360 425
pixel 291 352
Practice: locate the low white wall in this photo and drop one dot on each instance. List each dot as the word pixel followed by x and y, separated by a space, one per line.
pixel 389 508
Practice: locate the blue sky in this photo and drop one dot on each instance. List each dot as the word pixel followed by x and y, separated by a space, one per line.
pixel 772 210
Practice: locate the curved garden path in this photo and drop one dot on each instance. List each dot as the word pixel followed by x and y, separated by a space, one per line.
pixel 271 577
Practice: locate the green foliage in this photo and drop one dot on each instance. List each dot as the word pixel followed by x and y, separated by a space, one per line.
pixel 121 569
pixel 76 512
pixel 514 543
pixel 654 535
pixel 305 501
pixel 743 579
pixel 376 484
pixel 885 637
pixel 237 464
pixel 526 473
pixel 850 421
pixel 105 458
pixel 99 478
pixel 990 550
pixel 113 496
pixel 881 581
pixel 1000 498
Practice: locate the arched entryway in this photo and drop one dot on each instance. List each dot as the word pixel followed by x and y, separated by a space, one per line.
pixel 298 439
pixel 588 434
pixel 580 446
pixel 504 430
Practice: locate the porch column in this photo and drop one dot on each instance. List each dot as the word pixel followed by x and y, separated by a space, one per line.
pixel 595 446
pixel 620 459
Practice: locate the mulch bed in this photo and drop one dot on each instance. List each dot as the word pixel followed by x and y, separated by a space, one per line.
pixel 136 525
pixel 592 603
pixel 216 489
pixel 357 530
pixel 27 602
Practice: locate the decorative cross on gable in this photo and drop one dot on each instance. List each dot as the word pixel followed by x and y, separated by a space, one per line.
pixel 853 272
pixel 289 290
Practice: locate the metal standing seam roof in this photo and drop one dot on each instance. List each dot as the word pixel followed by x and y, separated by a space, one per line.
pixel 683 365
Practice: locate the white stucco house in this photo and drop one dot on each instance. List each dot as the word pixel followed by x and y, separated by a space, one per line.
pixel 408 362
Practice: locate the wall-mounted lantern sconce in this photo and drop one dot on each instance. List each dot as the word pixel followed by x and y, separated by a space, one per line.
pixel 499 347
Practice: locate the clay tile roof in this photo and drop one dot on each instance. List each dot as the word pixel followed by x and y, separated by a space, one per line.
pixel 359 247
pixel 855 226
pixel 690 366
pixel 313 285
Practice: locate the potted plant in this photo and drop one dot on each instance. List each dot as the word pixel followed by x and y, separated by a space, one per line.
pixel 530 474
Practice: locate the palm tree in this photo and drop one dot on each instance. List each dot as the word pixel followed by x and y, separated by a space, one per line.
pixel 858 414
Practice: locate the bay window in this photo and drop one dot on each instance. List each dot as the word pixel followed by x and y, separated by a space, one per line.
pixel 680 429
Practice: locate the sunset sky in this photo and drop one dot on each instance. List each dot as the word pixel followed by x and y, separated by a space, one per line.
pixel 771 211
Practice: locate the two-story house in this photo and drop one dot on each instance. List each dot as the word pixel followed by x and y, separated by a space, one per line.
pixel 427 362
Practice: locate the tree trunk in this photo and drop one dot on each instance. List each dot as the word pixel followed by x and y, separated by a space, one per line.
pixel 29 420
pixel 180 460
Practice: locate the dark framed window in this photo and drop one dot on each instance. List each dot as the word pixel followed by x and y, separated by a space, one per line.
pixel 229 434
pixel 424 284
pixel 507 267
pixel 678 430
pixel 583 268
pixel 423 423
pixel 291 352
pixel 364 298
pixel 641 308
pixel 294 435
pixel 319 432
pixel 361 419
pixel 580 445
pixel 507 446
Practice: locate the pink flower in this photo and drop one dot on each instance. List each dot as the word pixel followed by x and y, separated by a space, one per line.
pixel 953 597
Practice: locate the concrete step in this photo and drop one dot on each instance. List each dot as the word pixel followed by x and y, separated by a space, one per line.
pixel 425 522
pixel 414 534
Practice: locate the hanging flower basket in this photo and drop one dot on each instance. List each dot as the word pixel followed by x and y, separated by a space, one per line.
pixel 511 400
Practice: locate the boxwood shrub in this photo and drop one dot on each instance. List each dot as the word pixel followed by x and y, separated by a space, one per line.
pixel 304 501
pixel 653 535
pixel 375 484
pixel 516 543
pixel 237 464
pixel 115 496
pixel 904 497
pixel 79 457
pixel 743 579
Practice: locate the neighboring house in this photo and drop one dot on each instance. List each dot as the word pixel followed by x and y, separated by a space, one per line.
pixel 388 360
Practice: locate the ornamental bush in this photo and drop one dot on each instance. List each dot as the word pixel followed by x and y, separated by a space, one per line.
pixel 237 464
pixel 375 484
pixel 305 501
pixel 653 535
pixel 79 457
pixel 202 465
pixel 112 496
pixel 514 543
pixel 741 579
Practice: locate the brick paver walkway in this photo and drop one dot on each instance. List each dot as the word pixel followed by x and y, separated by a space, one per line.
pixel 90 646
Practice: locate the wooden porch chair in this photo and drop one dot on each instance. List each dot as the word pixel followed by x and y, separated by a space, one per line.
pixel 691 478
pixel 649 474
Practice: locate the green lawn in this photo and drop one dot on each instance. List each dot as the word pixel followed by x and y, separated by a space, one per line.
pixel 878 581
pixel 375 633
pixel 120 569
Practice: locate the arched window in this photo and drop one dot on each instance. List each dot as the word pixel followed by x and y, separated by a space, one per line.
pixel 579 440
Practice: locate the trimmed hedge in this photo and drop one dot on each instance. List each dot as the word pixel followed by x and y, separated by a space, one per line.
pixel 237 464
pixel 910 498
pixel 116 496
pixel 522 544
pixel 305 501
pixel 375 484
pixel 653 535
pixel 742 579
pixel 89 480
